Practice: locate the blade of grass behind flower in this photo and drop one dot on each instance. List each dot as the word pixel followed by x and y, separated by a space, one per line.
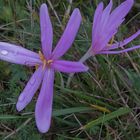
pixel 56 113
pixel 70 110
pixel 83 96
pixel 105 118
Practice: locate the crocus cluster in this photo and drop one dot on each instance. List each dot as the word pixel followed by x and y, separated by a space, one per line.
pixel 105 26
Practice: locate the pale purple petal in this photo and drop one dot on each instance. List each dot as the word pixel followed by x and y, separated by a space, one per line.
pixel 69 35
pixel 106 15
pixel 100 34
pixel 69 66
pixel 121 51
pixel 30 89
pixel 124 42
pixel 46 31
pixel 119 13
pixel 96 25
pixel 43 110
pixel 18 55
pixel 18 49
pixel 97 16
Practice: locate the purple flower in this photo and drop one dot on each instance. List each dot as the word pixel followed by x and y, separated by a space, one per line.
pixel 47 62
pixel 105 26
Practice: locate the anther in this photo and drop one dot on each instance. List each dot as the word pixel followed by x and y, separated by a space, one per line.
pixel 43 59
pixel 111 41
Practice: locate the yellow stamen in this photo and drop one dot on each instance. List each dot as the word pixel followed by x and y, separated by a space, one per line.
pixel 49 61
pixel 44 64
pixel 41 56
pixel 111 41
pixel 36 67
pixel 43 59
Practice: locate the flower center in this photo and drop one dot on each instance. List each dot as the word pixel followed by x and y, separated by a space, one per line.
pixel 43 59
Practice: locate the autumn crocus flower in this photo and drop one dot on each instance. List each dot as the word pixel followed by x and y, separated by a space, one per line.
pixel 105 26
pixel 47 61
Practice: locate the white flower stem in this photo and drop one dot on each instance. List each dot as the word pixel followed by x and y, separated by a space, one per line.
pixel 86 56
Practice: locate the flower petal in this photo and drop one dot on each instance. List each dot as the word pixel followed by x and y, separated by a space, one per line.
pixel 69 35
pixel 18 55
pixel 119 13
pixel 124 42
pixel 106 15
pixel 69 66
pixel 30 89
pixel 46 31
pixel 43 108
pixel 96 26
pixel 121 51
pixel 101 33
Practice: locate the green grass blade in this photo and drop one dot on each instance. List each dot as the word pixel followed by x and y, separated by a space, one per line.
pixel 105 118
pixel 56 113
pixel 70 110
pixel 9 117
